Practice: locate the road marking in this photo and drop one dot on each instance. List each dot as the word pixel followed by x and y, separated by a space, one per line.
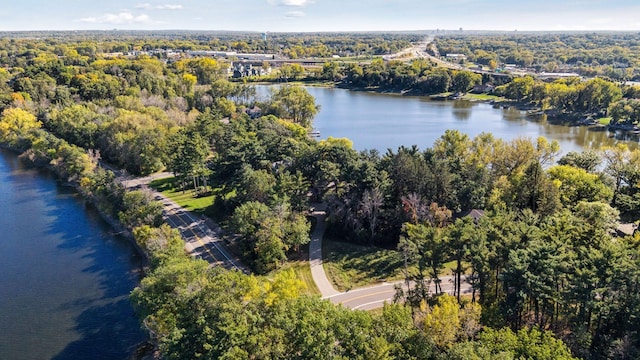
pixel 178 211
pixel 367 295
pixel 169 207
pixel 192 232
pixel 364 289
pixel 214 243
pixel 369 303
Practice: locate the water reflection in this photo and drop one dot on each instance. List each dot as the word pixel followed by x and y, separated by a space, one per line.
pixel 65 279
pixel 381 121
pixel 462 109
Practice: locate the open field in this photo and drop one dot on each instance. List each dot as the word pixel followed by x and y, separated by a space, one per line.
pixel 350 266
pixel 188 199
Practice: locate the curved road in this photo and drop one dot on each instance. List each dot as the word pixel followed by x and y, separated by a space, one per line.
pixel 373 297
pixel 366 298
pixel 315 255
pixel 202 240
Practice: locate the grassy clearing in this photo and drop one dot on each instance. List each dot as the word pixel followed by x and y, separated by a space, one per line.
pixel 604 120
pixel 482 97
pixel 315 83
pixel 441 95
pixel 350 266
pixel 188 199
pixel 201 204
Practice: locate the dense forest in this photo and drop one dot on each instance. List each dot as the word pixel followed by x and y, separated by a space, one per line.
pixel 551 278
pixel 613 55
pixel 291 45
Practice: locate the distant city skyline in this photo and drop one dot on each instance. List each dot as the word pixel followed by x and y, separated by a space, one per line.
pixel 322 15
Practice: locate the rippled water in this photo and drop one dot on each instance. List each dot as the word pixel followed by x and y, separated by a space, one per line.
pixel 64 277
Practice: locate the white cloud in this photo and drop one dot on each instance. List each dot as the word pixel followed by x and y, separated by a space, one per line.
pixel 169 7
pixel 294 14
pixel 298 3
pixel 294 3
pixel 148 6
pixel 124 17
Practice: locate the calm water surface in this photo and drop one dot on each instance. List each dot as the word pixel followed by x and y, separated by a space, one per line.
pixel 64 279
pixel 382 121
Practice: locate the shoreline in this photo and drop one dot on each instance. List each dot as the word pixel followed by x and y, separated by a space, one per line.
pixel 141 350
pixel 566 119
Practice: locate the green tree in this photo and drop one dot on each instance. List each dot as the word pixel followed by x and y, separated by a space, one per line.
pixel 623 166
pixel 77 124
pixel 596 95
pixel 331 71
pixel 464 81
pixel 140 209
pixel 525 344
pixel 461 234
pixel 187 153
pixel 446 322
pixel 577 184
pixel 520 88
pixel 294 103
pixel 425 246
pixel 255 185
pixel 268 233
pixel 163 244
pixel 588 160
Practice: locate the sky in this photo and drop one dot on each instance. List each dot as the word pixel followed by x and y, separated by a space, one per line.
pixel 320 15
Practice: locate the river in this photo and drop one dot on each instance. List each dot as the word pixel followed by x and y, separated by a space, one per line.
pixel 383 121
pixel 64 278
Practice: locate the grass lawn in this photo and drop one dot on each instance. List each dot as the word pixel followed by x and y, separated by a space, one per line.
pixel 483 97
pixel 187 199
pixel 315 83
pixel 604 120
pixel 350 266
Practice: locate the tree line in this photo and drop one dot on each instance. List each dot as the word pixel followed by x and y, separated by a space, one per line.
pixel 612 55
pixel 193 311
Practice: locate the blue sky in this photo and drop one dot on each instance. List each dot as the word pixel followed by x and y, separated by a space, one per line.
pixel 320 15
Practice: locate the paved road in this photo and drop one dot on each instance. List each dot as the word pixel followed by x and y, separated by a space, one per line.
pixel 315 255
pixel 419 51
pixel 201 235
pixel 366 298
pixel 374 297
pixel 201 240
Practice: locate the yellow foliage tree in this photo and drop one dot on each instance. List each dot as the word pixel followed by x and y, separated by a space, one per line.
pixel 285 285
pixel 447 322
pixel 443 322
pixel 16 124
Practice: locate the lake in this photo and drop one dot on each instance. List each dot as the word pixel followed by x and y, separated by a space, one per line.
pixel 64 277
pixel 382 121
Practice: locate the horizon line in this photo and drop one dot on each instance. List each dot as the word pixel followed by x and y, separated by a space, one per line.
pixel 328 31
